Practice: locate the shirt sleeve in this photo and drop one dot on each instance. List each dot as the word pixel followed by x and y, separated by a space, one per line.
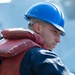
pixel 44 62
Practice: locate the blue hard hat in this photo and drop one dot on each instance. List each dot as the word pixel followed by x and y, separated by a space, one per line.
pixel 48 12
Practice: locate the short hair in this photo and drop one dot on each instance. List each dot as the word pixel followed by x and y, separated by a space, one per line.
pixel 33 20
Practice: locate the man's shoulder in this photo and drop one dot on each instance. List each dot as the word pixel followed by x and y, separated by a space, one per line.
pixel 38 51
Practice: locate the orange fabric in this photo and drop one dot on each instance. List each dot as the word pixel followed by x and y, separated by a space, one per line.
pixel 13 49
pixel 10 65
pixel 19 33
pixel 9 48
pixel 11 57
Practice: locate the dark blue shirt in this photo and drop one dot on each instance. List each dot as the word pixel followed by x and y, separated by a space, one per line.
pixel 38 61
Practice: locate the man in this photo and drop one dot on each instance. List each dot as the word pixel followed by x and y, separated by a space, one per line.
pixel 47 20
pixel 46 24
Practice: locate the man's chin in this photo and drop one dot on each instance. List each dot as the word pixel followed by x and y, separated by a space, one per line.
pixel 51 49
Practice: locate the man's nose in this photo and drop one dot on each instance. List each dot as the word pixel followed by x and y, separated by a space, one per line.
pixel 58 38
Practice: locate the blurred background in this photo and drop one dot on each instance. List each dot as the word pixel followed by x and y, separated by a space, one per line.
pixel 12 15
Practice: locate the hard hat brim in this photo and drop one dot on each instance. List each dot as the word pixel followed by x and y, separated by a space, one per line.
pixel 61 29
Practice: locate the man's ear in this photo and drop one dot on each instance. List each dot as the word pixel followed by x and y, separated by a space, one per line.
pixel 37 27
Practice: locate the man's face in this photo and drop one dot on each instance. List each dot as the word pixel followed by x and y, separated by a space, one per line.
pixel 50 35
